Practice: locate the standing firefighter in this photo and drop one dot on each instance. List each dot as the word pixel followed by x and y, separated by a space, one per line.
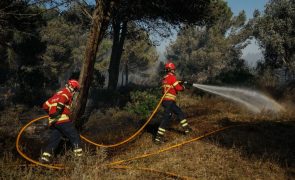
pixel 171 86
pixel 58 108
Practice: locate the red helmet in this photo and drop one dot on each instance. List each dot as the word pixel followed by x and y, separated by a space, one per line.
pixel 74 84
pixel 169 66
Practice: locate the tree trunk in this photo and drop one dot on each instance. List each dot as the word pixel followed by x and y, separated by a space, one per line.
pixel 119 34
pixel 126 73
pixel 100 21
pixel 122 77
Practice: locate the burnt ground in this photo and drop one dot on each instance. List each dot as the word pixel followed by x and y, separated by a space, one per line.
pixel 263 136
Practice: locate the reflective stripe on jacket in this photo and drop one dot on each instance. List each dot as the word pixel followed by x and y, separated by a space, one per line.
pixel 63 97
pixel 170 81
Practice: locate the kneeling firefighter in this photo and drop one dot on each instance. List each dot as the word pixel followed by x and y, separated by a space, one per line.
pixel 58 108
pixel 170 84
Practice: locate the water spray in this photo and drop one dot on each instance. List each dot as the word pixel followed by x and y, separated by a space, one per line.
pixel 253 100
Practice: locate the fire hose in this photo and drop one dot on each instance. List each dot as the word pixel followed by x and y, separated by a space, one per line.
pixel 132 136
pixel 116 164
pixel 59 166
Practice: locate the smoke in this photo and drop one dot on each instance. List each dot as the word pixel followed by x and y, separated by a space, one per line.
pixel 146 77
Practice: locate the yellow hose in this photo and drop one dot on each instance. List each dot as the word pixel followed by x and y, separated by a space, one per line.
pixel 132 136
pixel 171 147
pixel 82 137
pixel 52 166
pixel 115 164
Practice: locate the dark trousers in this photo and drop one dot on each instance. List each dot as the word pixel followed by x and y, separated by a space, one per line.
pixel 169 108
pixel 62 130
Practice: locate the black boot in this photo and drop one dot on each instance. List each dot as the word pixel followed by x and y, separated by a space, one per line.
pixel 78 151
pixel 185 126
pixel 159 139
pixel 46 158
pixel 187 130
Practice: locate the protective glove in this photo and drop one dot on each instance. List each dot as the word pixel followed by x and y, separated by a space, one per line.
pixel 51 122
pixel 187 84
pixel 53 119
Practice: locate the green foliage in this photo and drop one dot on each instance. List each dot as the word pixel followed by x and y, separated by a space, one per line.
pixel 98 79
pixel 267 78
pixel 198 12
pixel 275 30
pixel 202 53
pixel 20 41
pixel 143 103
pixel 65 44
pixel 65 36
pixel 236 77
pixel 17 16
pixel 76 15
pixel 103 55
pixel 21 48
pixel 104 98
pixel 139 53
pixel 138 57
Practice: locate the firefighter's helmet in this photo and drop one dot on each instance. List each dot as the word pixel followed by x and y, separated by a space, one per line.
pixel 169 66
pixel 74 84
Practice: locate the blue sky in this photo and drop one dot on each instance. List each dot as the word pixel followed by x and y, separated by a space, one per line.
pixel 251 53
pixel 247 5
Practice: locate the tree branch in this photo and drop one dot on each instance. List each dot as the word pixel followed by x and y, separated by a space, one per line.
pixel 84 10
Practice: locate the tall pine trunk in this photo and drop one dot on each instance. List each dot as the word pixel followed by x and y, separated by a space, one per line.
pixel 100 22
pixel 126 73
pixel 119 34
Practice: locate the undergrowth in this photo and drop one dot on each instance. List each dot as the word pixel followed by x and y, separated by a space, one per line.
pixel 260 149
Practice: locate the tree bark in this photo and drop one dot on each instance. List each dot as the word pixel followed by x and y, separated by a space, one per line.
pixel 122 77
pixel 119 34
pixel 100 22
pixel 126 73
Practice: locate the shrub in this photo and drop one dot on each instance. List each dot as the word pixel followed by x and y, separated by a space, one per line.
pixel 143 102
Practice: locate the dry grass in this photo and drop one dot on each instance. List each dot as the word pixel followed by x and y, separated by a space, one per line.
pixel 112 125
pixel 263 148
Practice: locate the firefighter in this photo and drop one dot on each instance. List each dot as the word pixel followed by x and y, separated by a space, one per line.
pixel 170 84
pixel 58 108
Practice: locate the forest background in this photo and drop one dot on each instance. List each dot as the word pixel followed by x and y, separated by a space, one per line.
pixel 110 47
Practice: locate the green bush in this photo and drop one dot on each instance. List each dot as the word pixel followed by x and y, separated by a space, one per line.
pixel 143 102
